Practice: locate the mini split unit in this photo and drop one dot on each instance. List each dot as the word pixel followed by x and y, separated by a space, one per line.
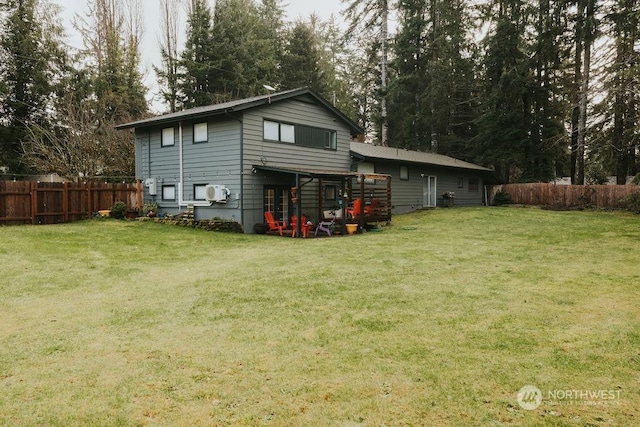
pixel 216 193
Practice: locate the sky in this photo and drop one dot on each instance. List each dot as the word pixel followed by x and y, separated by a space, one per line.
pixel 295 9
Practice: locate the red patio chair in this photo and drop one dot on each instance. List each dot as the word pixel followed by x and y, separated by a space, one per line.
pixel 273 224
pixel 355 210
pixel 304 227
pixel 370 209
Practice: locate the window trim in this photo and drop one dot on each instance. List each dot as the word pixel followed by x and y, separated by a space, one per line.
pixel 173 137
pixel 290 133
pixel 460 182
pixel 201 141
pixel 195 192
pixel 330 192
pixel 167 187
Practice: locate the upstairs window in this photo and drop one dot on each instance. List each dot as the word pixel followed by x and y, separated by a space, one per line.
pixel 200 133
pixel 271 131
pixel 306 136
pixel 167 139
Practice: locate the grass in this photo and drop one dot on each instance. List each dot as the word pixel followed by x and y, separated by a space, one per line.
pixel 438 320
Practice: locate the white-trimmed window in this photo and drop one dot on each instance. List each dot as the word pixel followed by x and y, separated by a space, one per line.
pixel 168 192
pixel 199 191
pixel 200 133
pixel 168 137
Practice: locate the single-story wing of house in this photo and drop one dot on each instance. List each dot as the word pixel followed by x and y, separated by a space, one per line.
pixel 285 155
pixel 422 179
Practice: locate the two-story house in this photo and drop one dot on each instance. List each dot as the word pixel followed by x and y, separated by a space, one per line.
pixel 289 153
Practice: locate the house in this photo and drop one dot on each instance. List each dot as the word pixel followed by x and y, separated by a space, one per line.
pixel 287 153
pixel 424 179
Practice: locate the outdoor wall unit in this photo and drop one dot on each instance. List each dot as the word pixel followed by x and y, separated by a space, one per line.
pixel 152 186
pixel 217 193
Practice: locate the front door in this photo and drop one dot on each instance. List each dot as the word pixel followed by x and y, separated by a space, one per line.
pixel 429 197
pixel 276 200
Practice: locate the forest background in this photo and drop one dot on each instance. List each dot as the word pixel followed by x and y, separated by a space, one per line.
pixel 535 89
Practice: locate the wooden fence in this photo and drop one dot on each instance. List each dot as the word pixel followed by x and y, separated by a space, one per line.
pixel 25 202
pixel 565 196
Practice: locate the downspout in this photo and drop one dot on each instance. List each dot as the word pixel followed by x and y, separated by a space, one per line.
pixel 182 202
pixel 226 112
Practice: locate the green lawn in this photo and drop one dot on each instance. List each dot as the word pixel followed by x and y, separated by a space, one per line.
pixel 440 319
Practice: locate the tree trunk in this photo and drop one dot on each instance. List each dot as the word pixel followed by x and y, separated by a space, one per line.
pixel 384 35
pixel 577 79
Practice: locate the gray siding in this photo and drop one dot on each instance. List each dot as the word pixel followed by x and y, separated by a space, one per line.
pixel 257 151
pixel 214 162
pixel 407 195
pixel 142 154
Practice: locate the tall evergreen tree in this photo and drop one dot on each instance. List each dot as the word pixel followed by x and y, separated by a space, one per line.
pixel 618 150
pixel 301 64
pixel 431 95
pixel 335 56
pixel 195 63
pixel 546 109
pixel 239 66
pixel 502 125
pixel 33 60
pixel 270 41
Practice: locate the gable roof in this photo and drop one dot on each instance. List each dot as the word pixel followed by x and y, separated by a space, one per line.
pixel 370 151
pixel 241 105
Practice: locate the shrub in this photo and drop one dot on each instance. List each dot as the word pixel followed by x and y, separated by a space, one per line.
pixel 150 207
pixel 631 202
pixel 118 210
pixel 501 198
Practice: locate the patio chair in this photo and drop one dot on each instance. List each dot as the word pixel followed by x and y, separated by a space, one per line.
pixel 304 226
pixel 355 210
pixel 371 208
pixel 274 225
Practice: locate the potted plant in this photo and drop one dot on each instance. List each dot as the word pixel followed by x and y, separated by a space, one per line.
pixel 260 228
pixel 150 209
pixel 351 227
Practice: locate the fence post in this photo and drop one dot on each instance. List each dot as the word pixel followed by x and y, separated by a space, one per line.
pixel 65 201
pixel 89 195
pixel 139 194
pixel 34 202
